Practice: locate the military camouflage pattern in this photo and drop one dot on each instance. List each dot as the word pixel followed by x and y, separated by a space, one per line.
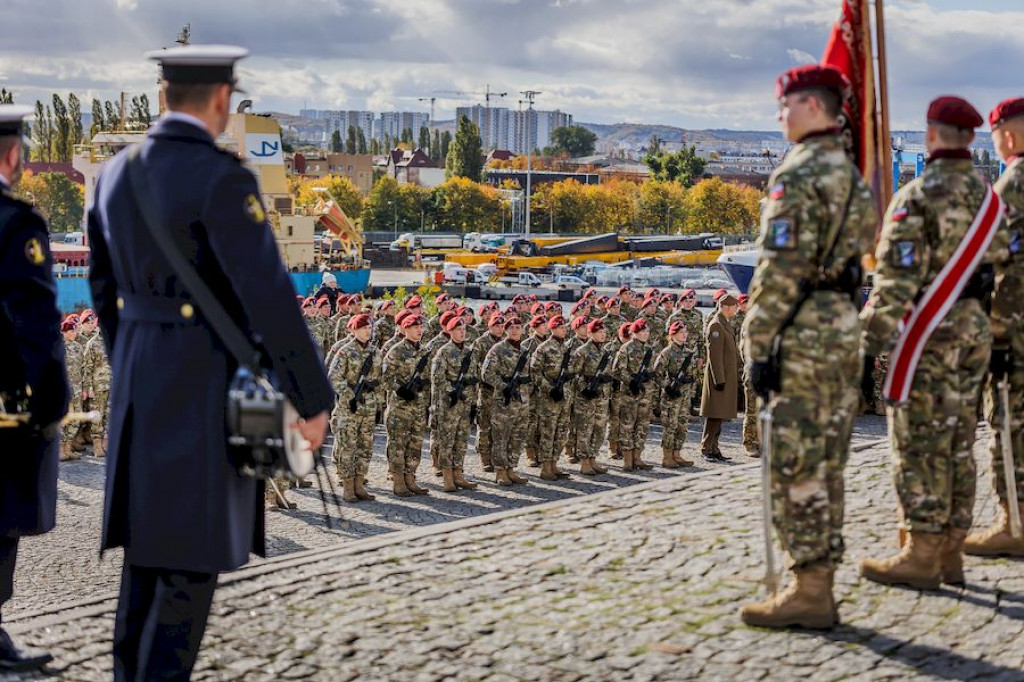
pixel 675 412
pixel 590 415
pixel 552 416
pixel 820 375
pixel 96 381
pixel 353 432
pixel 431 348
pixel 405 421
pixel 881 368
pixel 751 434
pixel 508 423
pixel 451 425
pixel 384 327
pixel 613 344
pixel 432 328
pixel 75 360
pixel 634 411
pixel 339 331
pixel 933 433
pixel 694 321
pixel 484 398
pixel 532 427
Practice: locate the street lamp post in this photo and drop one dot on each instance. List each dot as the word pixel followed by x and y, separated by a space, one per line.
pixel 529 95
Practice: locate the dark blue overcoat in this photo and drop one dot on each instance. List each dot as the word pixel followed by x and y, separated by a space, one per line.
pixel 173 499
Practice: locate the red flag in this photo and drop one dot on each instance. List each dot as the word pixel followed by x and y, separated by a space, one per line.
pixel 849 50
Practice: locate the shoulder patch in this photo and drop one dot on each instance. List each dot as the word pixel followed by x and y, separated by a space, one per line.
pixel 254 209
pixel 777 191
pixel 905 254
pixel 900 214
pixel 715 334
pixel 781 234
pixel 1015 242
pixel 34 252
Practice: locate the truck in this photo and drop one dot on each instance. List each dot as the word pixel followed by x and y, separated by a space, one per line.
pixel 464 276
pixel 520 279
pixel 413 241
pixel 486 242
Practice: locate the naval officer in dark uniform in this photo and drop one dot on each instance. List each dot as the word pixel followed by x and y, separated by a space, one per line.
pixel 32 375
pixel 175 503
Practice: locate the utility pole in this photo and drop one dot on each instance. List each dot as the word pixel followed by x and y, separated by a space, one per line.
pixel 431 100
pixel 529 95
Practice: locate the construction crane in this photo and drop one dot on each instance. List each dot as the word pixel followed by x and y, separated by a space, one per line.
pixel 431 100
pixel 487 93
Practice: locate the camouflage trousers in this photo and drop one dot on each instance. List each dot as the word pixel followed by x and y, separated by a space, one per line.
pixel 552 427
pixel 353 439
pixel 813 423
pixel 589 421
pixel 995 419
pixel 675 419
pixel 484 426
pixel 405 423
pixel 508 430
pixel 933 433
pixel 69 430
pixel 100 401
pixel 613 419
pixel 451 433
pixel 533 425
pixel 634 418
pixel 751 433
pixel 878 382
pixel 570 441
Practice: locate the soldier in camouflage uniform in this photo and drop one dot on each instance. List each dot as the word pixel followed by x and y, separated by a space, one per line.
pixel 879 369
pixel 933 431
pixel 385 322
pixel 74 353
pixel 615 342
pixel 577 338
pixel 485 393
pixel 431 349
pixel 453 377
pixel 649 312
pixel 591 367
pixel 751 437
pixel 627 303
pixel 814 394
pixel 96 387
pixel 548 365
pixel 1007 319
pixel 473 332
pixel 444 304
pixel 633 368
pixel 399 332
pixel 687 313
pixel 509 412
pixel 540 332
pixel 323 327
pixel 358 366
pixel 675 368
pixel 406 378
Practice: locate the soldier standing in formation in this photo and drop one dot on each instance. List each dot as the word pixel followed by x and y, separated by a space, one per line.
pixel 1007 121
pixel 485 391
pixel 687 313
pixel 591 364
pixel 96 382
pixel 675 368
pixel 549 368
pixel 539 333
pixel 817 223
pixel 74 354
pixel 406 375
pixel 633 368
pixel 453 379
pixel 505 372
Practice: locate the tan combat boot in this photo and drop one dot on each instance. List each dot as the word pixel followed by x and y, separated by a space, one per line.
pixel 627 461
pixel 667 460
pixel 436 464
pixel 587 467
pixel 79 441
pixel 486 463
pixel 917 565
pixel 460 479
pixel 414 488
pixel 349 490
pixel 67 454
pixel 598 467
pixel 99 447
pixel 680 460
pixel 531 457
pixel 638 461
pixel 807 603
pixel 516 478
pixel 401 489
pixel 559 472
pixel 449 480
pixel 952 557
pixel 547 471
pixel 501 476
pixel 360 486
pixel 995 540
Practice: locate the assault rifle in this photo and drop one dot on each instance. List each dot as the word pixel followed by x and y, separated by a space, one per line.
pixel 410 390
pixel 642 376
pixel 513 383
pixel 459 388
pixel 557 391
pixel 682 378
pixel 362 384
pixel 590 390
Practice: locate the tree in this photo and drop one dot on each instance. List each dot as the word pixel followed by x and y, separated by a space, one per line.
pixel 684 166
pixel 662 207
pixel 98 122
pixel 61 131
pixel 75 113
pixel 446 143
pixel 435 146
pixel 6 96
pixel 336 141
pixel 654 145
pixel 58 199
pixel 139 116
pixel 407 135
pixel 112 114
pixel 360 141
pixel 375 146
pixel 43 133
pixel 350 141
pixel 716 206
pixel 424 141
pixel 573 141
pixel 391 206
pixel 465 154
pixel 466 206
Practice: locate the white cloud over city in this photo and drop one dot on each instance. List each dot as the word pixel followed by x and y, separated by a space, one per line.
pixel 691 63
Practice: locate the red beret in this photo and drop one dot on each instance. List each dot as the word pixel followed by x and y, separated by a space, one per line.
pixel 601 300
pixel 355 298
pixel 532 297
pixel 483 310
pixel 579 322
pixel 812 77
pixel 358 322
pixel 719 294
pixel 442 297
pixel 669 298
pixel 301 299
pixel 687 293
pixel 611 302
pixel 497 320
pixel 556 321
pixel 954 111
pixel 587 294
pixel 624 331
pixel 446 316
pixel 552 305
pixel 518 297
pixel 638 326
pixel 86 314
pixel 623 289
pixel 69 323
pixel 538 321
pixel 674 328
pixel 513 320
pixel 595 325
pixel 413 320
pixel 402 314
pixel 1005 110
pixel 322 301
pixel 384 305
pixel 454 322
pixel 649 303
pixel 653 291
pixel 743 298
pixel 578 306
pixel 464 310
pixel 414 302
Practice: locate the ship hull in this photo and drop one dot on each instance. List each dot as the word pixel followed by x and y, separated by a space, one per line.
pixel 739 266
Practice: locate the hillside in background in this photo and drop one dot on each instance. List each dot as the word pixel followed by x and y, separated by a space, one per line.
pixel 637 134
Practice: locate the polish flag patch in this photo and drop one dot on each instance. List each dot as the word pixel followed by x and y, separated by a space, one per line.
pixel 900 214
pixel 778 191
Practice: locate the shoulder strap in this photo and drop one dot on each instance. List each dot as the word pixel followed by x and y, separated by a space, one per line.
pixel 234 338
pixel 837 227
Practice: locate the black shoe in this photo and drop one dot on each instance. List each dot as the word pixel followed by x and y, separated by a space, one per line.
pixel 715 457
pixel 15 659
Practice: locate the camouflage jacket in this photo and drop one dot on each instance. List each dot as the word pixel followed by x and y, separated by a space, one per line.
pixel 444 373
pixel 573 342
pixel 546 364
pixel 807 195
pixel 481 348
pixel 74 353
pixel 432 329
pixel 627 312
pixel 584 363
pixel 613 322
pixel 339 330
pixel 95 367
pixel 473 333
pixel 345 372
pixel 925 223
pixel 629 359
pixel 399 365
pixel 1008 303
pixel 670 361
pixel 390 343
pixel 694 321
pixel 385 327
pixel 499 364
pixel 737 330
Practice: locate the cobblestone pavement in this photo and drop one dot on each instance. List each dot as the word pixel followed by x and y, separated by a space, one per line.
pixel 640 583
pixel 64 565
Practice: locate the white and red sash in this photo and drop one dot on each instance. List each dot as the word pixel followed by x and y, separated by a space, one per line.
pixel 942 294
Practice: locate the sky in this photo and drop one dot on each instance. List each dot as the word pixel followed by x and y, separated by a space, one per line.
pixel 690 63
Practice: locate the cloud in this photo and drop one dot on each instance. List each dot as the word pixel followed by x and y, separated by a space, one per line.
pixel 688 62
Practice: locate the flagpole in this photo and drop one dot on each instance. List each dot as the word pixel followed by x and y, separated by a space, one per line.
pixel 885 136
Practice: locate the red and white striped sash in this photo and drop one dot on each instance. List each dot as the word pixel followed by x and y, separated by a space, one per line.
pixel 942 294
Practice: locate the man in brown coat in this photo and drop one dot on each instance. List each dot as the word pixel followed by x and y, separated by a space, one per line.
pixel 720 395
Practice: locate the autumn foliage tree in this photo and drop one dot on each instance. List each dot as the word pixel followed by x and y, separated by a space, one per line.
pixel 716 206
pixel 59 200
pixel 461 205
pixel 337 188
